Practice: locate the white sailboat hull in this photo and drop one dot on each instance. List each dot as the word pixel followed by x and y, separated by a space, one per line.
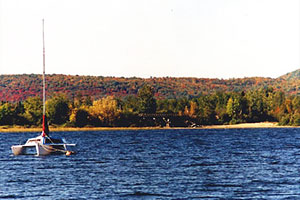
pixel 18 150
pixel 38 146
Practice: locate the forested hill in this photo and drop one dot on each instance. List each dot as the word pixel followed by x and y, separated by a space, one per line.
pixel 20 87
pixel 292 76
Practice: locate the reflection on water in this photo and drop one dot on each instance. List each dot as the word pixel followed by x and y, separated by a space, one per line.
pixel 158 164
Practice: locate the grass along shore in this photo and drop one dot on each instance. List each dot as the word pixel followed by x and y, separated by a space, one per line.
pixel 4 129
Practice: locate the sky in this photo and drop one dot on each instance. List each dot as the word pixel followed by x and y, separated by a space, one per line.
pixel 151 38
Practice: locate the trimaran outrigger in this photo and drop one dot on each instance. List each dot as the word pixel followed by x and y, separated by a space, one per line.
pixel 43 144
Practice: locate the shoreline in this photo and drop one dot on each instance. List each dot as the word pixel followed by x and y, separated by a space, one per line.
pixel 5 129
pixel 247 125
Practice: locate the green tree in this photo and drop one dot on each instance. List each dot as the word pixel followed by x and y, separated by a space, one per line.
pixel 237 108
pixel 19 111
pixel 147 102
pixel 182 103
pixel 257 107
pixel 33 107
pixel 6 114
pixel 80 117
pixel 206 110
pixel 230 108
pixel 167 106
pixel 221 99
pixel 58 109
pixel 130 104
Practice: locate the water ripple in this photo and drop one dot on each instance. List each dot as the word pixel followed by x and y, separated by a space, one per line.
pixel 158 164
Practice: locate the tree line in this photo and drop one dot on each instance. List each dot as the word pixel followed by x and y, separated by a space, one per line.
pixel 14 88
pixel 144 109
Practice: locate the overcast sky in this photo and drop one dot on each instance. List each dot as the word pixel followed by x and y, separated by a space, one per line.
pixel 143 38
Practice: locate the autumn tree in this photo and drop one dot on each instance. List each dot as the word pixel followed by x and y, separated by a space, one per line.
pixel 105 110
pixel 290 111
pixel 181 106
pixel 191 110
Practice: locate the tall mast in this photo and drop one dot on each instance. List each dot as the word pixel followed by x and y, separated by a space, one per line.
pixel 44 85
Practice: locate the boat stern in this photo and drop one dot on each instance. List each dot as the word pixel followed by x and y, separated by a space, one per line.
pixel 17 149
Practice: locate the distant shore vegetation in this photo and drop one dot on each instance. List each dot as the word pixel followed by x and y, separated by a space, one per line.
pixel 14 88
pixel 144 110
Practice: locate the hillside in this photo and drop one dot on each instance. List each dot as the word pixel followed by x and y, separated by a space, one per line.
pixel 290 82
pixel 20 87
pixel 292 76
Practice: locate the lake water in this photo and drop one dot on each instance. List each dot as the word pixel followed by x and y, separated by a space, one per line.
pixel 158 164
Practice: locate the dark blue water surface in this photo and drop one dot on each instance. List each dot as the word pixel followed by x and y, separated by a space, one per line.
pixel 158 164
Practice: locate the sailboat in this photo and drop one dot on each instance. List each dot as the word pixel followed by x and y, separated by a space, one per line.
pixel 43 144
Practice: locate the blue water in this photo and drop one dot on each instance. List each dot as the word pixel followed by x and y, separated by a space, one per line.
pixel 158 164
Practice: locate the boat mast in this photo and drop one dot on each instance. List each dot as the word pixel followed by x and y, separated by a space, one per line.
pixel 44 85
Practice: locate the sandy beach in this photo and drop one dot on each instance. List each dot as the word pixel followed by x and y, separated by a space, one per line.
pixel 246 125
pixel 5 129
